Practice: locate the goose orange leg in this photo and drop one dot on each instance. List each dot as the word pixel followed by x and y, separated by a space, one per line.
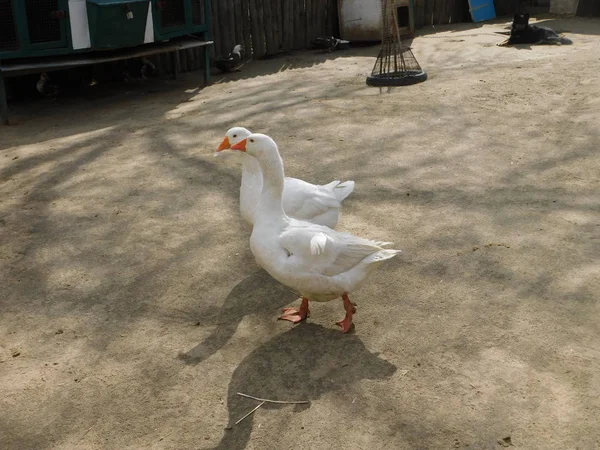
pixel 296 314
pixel 346 323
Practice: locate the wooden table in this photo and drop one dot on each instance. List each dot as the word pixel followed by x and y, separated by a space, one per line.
pixel 52 63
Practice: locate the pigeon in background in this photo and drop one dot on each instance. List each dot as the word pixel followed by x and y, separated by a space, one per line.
pixel 228 63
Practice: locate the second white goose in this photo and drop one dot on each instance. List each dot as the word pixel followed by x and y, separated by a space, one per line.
pixel 320 204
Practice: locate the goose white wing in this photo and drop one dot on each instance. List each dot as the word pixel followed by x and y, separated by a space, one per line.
pixel 305 201
pixel 321 250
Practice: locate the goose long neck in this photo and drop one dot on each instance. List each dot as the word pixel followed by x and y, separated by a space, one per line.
pixel 252 182
pixel 270 203
pixel 251 172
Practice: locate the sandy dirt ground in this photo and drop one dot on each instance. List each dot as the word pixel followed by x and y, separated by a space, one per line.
pixel 132 311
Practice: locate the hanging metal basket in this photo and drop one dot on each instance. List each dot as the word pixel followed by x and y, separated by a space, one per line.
pixel 396 64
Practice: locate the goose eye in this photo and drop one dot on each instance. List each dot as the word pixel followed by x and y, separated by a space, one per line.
pixel 251 140
pixel 235 135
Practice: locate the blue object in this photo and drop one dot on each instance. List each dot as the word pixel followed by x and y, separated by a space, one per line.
pixel 482 10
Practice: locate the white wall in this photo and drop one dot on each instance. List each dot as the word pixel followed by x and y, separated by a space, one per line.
pixel 360 20
pixel 563 6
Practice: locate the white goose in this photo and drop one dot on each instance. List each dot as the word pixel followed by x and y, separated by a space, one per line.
pixel 319 263
pixel 301 200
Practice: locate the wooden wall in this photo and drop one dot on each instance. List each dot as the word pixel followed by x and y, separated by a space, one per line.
pixel 267 27
pixel 438 12
pixel 588 8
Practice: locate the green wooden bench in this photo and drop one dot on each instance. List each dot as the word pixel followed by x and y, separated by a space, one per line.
pixel 52 63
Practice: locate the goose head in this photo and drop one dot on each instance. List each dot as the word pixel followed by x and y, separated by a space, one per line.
pixel 258 145
pixel 263 150
pixel 232 137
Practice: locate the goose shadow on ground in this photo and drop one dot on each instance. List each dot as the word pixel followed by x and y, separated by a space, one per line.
pixel 258 294
pixel 303 363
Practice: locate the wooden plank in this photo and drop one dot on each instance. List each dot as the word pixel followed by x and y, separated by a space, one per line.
pixel 261 28
pixel 33 65
pixel 316 21
pixel 588 8
pixel 301 25
pixel 328 23
pixel 322 17
pixel 233 26
pixel 324 6
pixel 245 18
pixel 224 32
pixel 240 25
pixel 277 36
pixel 229 29
pixel 451 11
pixel 283 11
pixel 290 24
pixel 321 13
pixel 166 63
pixel 313 22
pixel 310 21
pixel 215 28
pixel 3 101
pixel 189 60
pixel 238 30
pixel 193 61
pixel 182 61
pixel 335 18
pixel 268 26
pixel 306 24
pixel 296 24
pixel 176 68
pixel 430 17
pixel 255 32
pixel 157 60
pixel 304 14
pixel 199 55
pixel 443 11
pixel 418 13
pixel 437 11
pixel 284 28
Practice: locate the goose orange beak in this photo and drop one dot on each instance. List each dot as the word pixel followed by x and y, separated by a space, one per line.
pixel 224 145
pixel 241 146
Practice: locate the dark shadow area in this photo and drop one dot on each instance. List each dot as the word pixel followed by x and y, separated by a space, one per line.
pixel 457 27
pixel 301 364
pixel 106 105
pixel 282 62
pixel 588 8
pixel 576 25
pixel 112 103
pixel 258 293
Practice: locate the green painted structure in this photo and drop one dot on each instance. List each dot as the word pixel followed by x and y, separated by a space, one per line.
pixel 34 28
